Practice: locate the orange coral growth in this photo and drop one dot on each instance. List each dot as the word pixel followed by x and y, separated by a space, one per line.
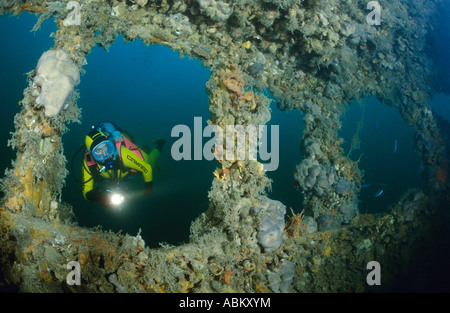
pixel 227 276
pixel 442 174
pixel 83 258
pixel 233 82
pixel 14 204
pixel 35 192
pixel 248 96
pixel 157 40
pixel 47 130
pixel 220 173
pixel 31 10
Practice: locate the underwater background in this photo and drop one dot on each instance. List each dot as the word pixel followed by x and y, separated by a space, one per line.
pixel 147 90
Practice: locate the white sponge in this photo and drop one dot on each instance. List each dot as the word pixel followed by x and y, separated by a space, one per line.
pixel 56 76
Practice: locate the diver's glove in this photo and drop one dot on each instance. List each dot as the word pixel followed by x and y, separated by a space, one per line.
pixel 98 194
pixel 148 191
pixel 159 143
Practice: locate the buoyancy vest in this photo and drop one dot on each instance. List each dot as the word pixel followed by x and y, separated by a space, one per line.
pixel 130 146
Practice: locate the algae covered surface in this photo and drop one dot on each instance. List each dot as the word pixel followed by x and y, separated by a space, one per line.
pixel 315 57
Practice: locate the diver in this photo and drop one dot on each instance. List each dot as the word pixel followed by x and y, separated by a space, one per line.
pixel 112 155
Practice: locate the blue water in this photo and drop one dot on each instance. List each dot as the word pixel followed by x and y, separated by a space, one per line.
pixel 148 91
pixel 393 170
pixel 291 127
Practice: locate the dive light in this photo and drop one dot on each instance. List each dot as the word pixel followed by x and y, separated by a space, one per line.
pixel 116 197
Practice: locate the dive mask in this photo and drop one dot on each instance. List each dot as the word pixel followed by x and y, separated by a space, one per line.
pixel 103 150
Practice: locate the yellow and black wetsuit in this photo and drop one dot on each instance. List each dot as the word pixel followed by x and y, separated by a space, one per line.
pixel 129 160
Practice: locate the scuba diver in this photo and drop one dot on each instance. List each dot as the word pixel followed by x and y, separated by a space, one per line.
pixel 112 155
